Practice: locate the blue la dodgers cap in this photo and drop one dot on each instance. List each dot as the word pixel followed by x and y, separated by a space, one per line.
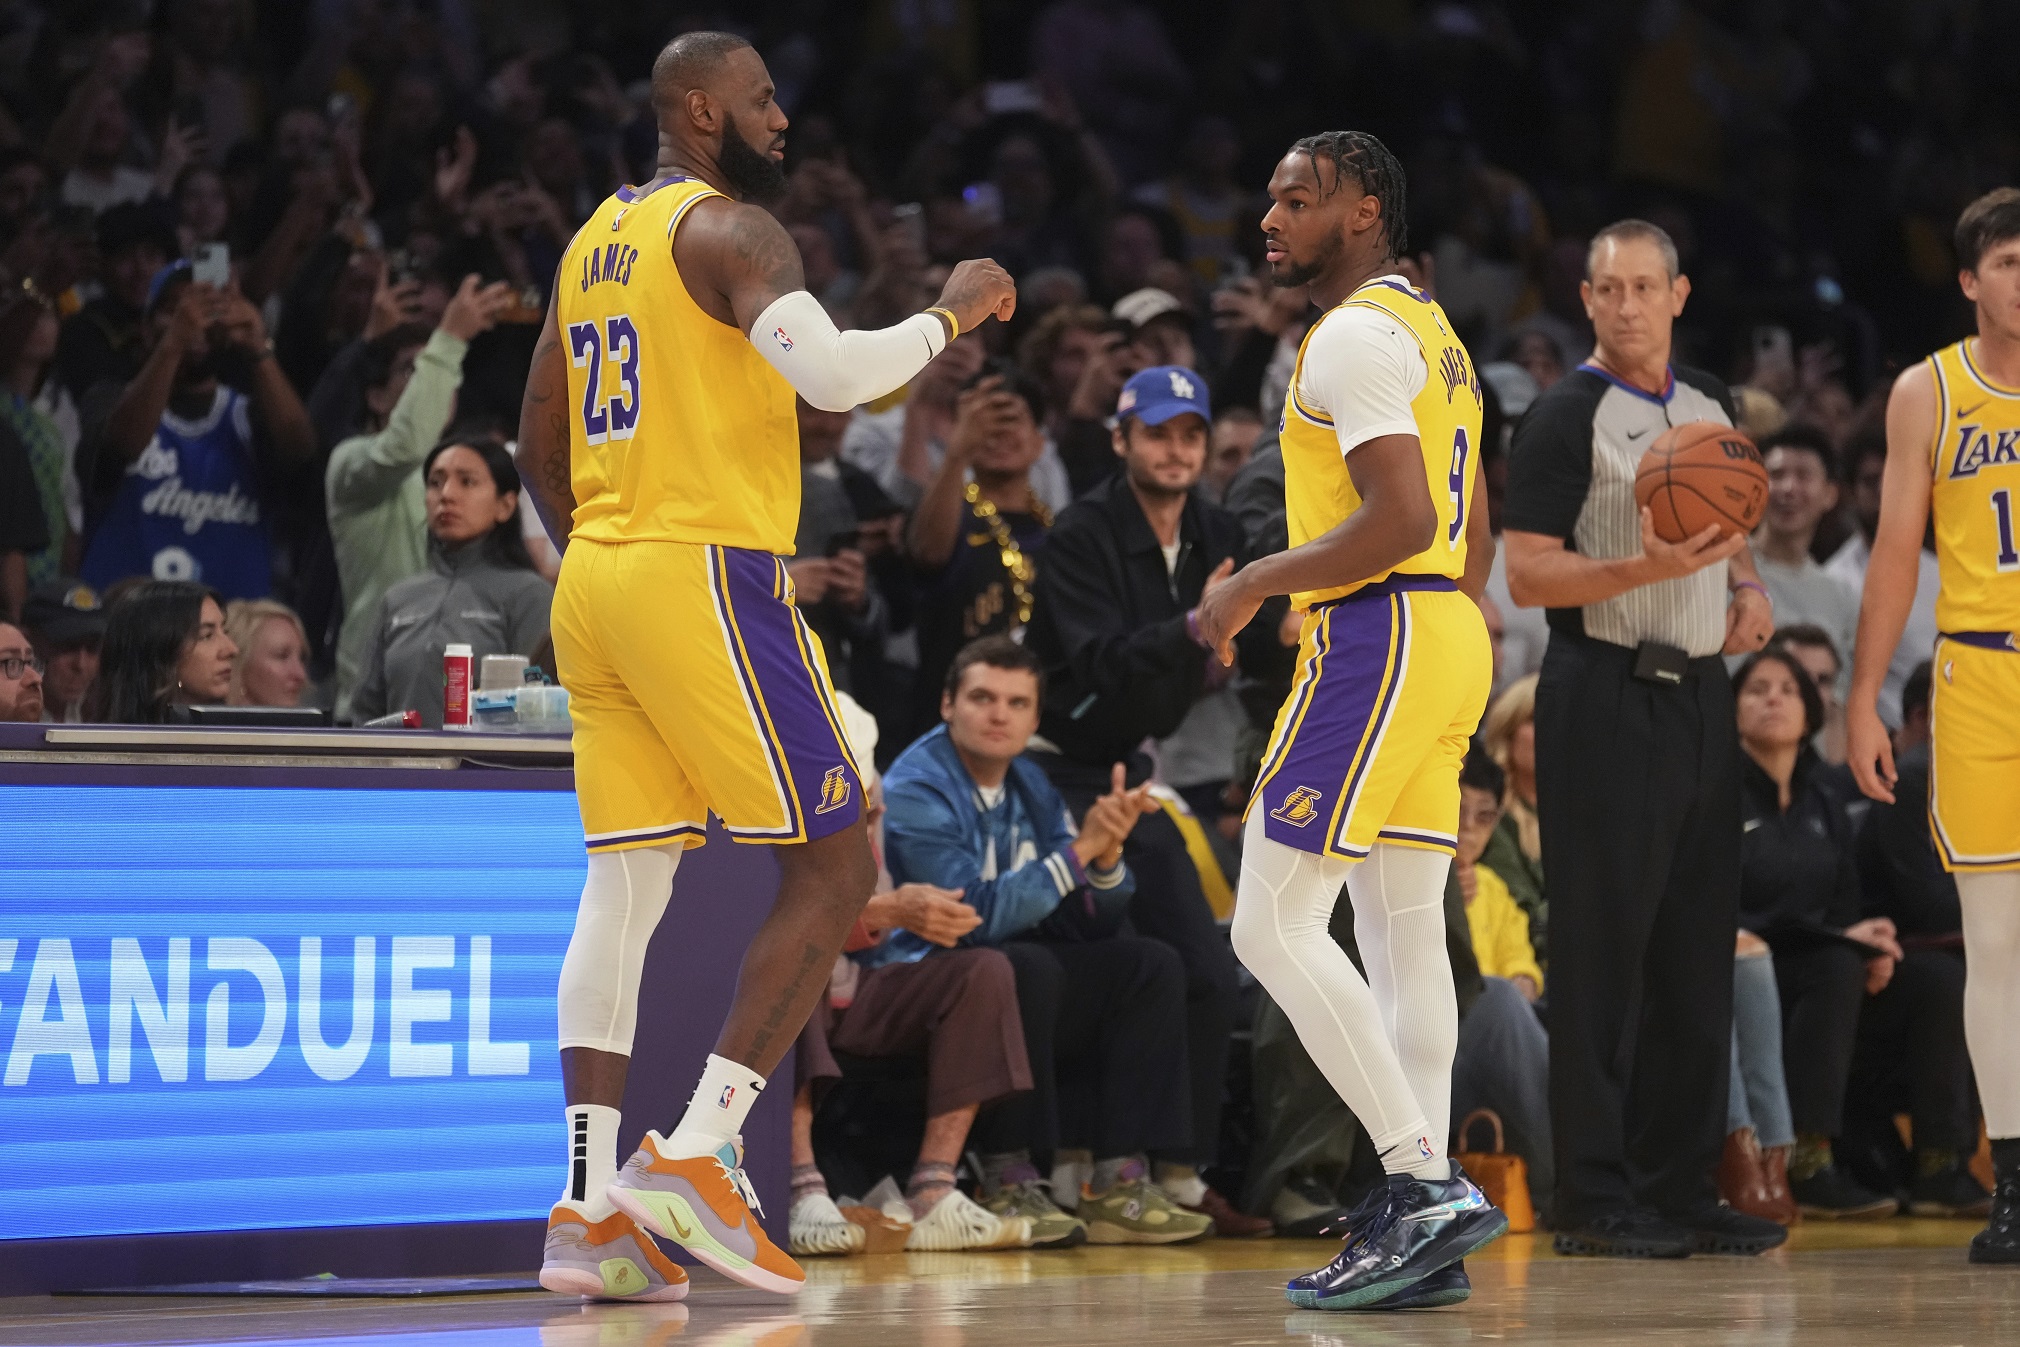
pixel 1161 392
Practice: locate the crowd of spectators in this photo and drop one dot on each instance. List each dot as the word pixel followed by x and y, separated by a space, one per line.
pixel 269 280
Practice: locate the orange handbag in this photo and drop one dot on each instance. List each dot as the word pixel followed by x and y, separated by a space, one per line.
pixel 1501 1174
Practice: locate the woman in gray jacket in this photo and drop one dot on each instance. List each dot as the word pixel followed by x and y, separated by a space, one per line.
pixel 480 587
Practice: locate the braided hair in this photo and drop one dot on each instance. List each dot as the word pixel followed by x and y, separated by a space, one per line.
pixel 1358 155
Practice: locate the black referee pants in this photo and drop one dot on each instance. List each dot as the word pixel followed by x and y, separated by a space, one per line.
pixel 1638 788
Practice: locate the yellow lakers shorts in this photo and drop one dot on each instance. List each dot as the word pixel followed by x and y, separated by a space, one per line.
pixel 696 687
pixel 1390 685
pixel 1974 764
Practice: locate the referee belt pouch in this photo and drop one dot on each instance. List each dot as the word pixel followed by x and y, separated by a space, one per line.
pixel 1655 662
pixel 1501 1174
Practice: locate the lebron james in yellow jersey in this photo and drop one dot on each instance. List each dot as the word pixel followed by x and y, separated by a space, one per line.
pixel 1360 782
pixel 1953 455
pixel 659 439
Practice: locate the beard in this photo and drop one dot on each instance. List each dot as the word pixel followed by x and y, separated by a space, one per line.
pixel 755 175
pixel 1290 274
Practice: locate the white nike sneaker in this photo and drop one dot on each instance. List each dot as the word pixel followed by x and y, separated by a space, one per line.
pixel 955 1223
pixel 818 1227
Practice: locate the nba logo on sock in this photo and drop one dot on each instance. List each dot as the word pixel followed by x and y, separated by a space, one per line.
pixel 1424 1148
pixel 729 1093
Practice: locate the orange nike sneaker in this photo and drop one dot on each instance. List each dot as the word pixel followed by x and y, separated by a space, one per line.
pixel 704 1204
pixel 610 1259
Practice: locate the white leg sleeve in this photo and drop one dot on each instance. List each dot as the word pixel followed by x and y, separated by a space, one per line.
pixel 1281 913
pixel 622 901
pixel 1991 904
pixel 1399 923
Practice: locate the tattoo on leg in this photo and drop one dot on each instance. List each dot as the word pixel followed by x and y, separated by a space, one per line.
pixel 788 997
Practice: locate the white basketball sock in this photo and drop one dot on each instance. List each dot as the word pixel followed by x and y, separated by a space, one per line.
pixel 1281 914
pixel 1991 904
pixel 623 898
pixel 592 1158
pixel 716 1112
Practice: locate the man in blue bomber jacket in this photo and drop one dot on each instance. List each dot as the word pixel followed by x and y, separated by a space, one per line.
pixel 1103 1011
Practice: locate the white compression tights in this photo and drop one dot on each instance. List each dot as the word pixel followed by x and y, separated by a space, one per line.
pixel 622 901
pixel 1991 904
pixel 1385 1043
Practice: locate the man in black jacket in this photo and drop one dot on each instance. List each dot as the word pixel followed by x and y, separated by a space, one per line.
pixel 1114 622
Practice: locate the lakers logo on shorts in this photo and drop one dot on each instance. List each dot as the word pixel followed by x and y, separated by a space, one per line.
pixel 1299 808
pixel 834 790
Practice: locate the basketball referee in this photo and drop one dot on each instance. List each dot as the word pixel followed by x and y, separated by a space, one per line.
pixel 1638 776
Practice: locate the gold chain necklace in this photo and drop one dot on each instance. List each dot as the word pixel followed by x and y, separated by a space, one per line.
pixel 1015 564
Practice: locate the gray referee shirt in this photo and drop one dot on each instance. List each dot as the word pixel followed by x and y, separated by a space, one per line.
pixel 1571 476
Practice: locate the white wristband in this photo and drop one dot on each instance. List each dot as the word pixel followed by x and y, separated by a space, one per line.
pixel 836 370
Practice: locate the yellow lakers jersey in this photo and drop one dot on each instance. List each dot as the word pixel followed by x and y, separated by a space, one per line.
pixel 679 430
pixel 1318 492
pixel 1975 456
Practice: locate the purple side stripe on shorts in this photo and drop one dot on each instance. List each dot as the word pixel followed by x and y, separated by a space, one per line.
pixel 1299 800
pixel 820 777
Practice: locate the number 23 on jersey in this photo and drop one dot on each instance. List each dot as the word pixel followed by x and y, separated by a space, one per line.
pixel 609 411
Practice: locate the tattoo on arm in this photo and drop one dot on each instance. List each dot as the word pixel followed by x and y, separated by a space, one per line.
pixel 763 263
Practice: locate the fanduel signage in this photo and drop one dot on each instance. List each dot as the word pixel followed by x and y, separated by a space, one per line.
pixel 242 1009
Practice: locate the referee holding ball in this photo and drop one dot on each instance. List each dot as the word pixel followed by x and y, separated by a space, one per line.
pixel 1638 776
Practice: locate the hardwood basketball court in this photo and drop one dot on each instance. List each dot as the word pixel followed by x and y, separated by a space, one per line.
pixel 1895 1282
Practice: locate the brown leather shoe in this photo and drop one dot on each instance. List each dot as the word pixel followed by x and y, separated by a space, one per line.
pixel 1742 1182
pixel 1775 1170
pixel 1229 1223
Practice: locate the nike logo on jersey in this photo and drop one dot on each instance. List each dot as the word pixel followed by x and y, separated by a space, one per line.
pixel 1474 1200
pixel 1636 434
pixel 1963 412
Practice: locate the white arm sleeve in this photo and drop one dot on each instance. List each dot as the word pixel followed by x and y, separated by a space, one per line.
pixel 1363 369
pixel 837 371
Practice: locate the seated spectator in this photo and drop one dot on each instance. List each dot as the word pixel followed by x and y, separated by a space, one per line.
pixel 192 434
pixel 377 501
pixel 1819 655
pixel 67 623
pixel 1215 215
pixel 480 587
pixel 1911 1055
pixel 1235 432
pixel 20 676
pixel 831 577
pixel 104 342
pixel 1515 851
pixel 1866 460
pixel 1057 351
pixel 98 179
pixel 978 530
pixel 1114 627
pixel 955 1007
pixel 1802 489
pixel 165 645
pixel 969 815
pixel 1499 928
pixel 273 653
pixel 1753 1171
pixel 1799 891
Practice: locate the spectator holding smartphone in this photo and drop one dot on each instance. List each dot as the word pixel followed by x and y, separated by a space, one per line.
pixel 377 500
pixel 208 415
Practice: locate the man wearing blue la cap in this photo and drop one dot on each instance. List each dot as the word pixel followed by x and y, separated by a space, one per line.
pixel 1124 570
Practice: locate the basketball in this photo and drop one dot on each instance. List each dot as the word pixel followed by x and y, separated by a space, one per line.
pixel 1701 473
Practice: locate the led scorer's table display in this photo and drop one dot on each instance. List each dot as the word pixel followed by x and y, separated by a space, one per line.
pixel 238 1009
